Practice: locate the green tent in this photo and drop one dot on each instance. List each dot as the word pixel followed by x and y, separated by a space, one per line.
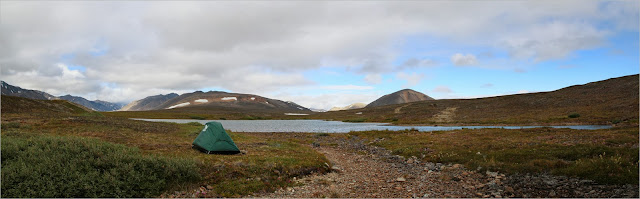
pixel 214 139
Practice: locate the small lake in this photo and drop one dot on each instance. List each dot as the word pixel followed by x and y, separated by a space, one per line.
pixel 321 126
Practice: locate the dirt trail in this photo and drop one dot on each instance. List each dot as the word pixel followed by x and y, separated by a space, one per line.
pixel 371 174
pixel 362 170
pixel 445 115
pixel 397 110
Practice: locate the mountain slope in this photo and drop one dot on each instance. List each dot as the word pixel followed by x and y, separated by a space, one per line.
pixel 10 90
pixel 349 107
pixel 94 105
pixel 148 103
pixel 21 105
pixel 608 101
pixel 229 101
pixel 400 97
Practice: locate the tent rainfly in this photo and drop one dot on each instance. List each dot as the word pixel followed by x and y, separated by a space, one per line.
pixel 213 139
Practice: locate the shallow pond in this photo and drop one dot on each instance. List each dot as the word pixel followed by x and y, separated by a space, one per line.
pixel 321 126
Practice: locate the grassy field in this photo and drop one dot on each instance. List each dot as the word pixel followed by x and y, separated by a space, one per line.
pixel 271 162
pixel 607 156
pixel 127 158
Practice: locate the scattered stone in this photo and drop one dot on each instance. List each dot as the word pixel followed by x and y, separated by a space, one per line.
pixel 336 169
pixel 492 174
pixel 374 169
pixel 509 189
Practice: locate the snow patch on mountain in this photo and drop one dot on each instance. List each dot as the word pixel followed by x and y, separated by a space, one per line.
pixel 296 114
pixel 179 105
pixel 230 98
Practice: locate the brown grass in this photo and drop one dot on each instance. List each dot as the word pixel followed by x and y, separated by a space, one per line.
pixel 607 156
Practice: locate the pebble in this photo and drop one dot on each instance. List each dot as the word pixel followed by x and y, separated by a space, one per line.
pixel 336 169
pixel 381 174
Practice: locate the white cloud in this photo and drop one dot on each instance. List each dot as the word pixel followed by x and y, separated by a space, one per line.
pixel 460 59
pixel 442 89
pixel 412 79
pixel 149 48
pixel 373 78
pixel 523 91
pixel 417 63
pixel 346 87
pixel 553 40
pixel 328 100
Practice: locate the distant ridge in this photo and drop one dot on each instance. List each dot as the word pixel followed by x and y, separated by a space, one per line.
pixel 215 101
pixel 399 97
pixel 97 105
pixel 148 103
pixel 613 101
pixel 10 90
pixel 349 107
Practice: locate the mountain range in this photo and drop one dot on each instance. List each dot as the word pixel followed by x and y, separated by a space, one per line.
pixel 97 105
pixel 148 103
pixel 608 101
pixel 213 100
pixel 349 107
pixel 209 100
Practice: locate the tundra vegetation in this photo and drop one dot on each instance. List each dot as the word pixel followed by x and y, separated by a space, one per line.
pixel 50 145
pixel 607 156
pixel 55 145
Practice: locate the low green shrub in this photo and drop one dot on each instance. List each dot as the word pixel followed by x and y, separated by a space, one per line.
pixel 66 167
pixel 574 115
pixel 355 120
pixel 195 117
pixel 10 125
pixel 194 124
pixel 618 169
pixel 322 134
pixel 92 114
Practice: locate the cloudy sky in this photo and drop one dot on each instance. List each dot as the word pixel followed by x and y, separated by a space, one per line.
pixel 318 54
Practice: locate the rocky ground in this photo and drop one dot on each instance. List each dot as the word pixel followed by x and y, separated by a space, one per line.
pixel 362 170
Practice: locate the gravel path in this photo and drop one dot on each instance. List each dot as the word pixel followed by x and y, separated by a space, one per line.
pixel 362 170
pixel 375 173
